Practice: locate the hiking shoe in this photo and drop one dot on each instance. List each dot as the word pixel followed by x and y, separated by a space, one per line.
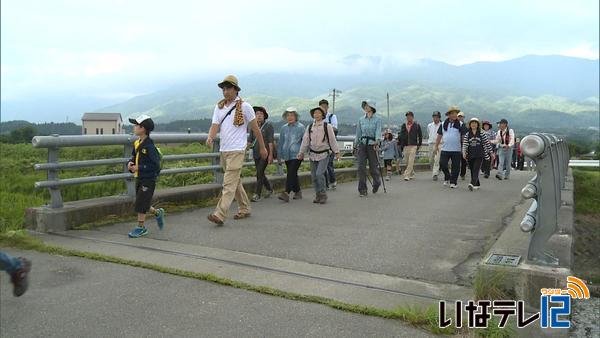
pixel 323 198
pixel 407 179
pixel 375 189
pixel 255 198
pixel 298 195
pixel 138 232
pixel 506 178
pixel 486 176
pixel 453 185
pixel 284 196
pixel 470 187
pixel 362 194
pixel 160 218
pixel 476 187
pixel 435 177
pixel 213 218
pixel 446 183
pixel 317 199
pixel 269 193
pixel 20 278
pixel 499 177
pixel 334 185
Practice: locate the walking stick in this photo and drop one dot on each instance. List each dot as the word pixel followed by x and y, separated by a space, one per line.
pixel 379 168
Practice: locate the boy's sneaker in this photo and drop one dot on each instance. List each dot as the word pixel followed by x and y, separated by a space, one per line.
pixel 20 278
pixel 255 198
pixel 138 232
pixel 160 218
pixel 453 186
pixel 269 193
pixel 470 186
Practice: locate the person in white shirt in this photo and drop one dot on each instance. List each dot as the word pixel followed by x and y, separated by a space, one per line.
pixel 434 156
pixel 232 116
pixel 505 140
pixel 330 119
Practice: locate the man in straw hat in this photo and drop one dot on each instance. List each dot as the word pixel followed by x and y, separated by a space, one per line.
pixel 231 117
pixel 368 136
pixel 450 135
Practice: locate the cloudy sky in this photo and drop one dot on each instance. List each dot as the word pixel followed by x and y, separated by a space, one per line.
pixel 117 49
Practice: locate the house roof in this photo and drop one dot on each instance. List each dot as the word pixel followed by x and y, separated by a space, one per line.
pixel 102 117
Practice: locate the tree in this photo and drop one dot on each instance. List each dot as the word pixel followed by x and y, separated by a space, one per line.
pixel 22 135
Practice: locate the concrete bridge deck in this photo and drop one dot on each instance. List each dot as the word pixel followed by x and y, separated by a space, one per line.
pixel 418 243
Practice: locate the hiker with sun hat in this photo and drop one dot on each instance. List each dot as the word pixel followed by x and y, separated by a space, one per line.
pixel 476 148
pixel 231 117
pixel 366 142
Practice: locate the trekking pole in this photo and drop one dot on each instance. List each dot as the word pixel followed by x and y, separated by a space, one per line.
pixel 379 168
pixel 382 180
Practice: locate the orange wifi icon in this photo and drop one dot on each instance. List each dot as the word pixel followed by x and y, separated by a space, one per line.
pixel 577 288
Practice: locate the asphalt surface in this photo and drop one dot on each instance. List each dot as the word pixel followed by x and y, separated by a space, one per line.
pixel 419 229
pixel 74 297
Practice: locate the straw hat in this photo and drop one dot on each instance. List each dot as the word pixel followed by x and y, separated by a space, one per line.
pixel 230 79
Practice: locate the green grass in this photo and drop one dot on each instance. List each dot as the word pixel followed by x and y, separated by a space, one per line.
pixel 17 176
pixel 587 190
pixel 422 318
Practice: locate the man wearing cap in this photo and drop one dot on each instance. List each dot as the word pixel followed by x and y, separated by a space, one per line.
pixel 505 140
pixel 231 117
pixel 434 156
pixel 330 119
pixel 410 139
pixel 368 136
pixel 450 137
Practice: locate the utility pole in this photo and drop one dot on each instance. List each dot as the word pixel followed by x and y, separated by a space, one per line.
pixel 334 93
pixel 388 109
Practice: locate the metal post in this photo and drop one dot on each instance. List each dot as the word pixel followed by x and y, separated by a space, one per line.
pixel 217 173
pixel 388 110
pixel 56 200
pixel 129 182
pixel 541 220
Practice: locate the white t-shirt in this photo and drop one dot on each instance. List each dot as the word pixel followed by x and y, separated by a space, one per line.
pixel 233 138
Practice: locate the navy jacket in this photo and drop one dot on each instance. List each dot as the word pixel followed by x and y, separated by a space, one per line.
pixel 146 157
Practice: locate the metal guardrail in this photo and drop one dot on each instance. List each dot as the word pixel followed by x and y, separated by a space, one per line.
pixel 551 156
pixel 54 166
pixel 584 163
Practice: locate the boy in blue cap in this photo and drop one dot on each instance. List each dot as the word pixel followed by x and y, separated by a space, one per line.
pixel 145 165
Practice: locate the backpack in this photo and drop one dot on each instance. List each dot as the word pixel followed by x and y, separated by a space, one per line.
pixel 161 157
pixel 326 136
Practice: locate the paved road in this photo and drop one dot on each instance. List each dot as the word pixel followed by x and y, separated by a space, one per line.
pixel 419 229
pixel 73 297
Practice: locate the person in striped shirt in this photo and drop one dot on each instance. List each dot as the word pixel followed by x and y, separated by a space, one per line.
pixel 476 148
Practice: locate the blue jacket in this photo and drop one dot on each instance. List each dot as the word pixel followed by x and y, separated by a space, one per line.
pixel 390 150
pixel 290 139
pixel 146 157
pixel 368 130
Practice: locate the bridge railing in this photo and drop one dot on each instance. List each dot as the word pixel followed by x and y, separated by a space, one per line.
pixel 55 142
pixel 551 156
